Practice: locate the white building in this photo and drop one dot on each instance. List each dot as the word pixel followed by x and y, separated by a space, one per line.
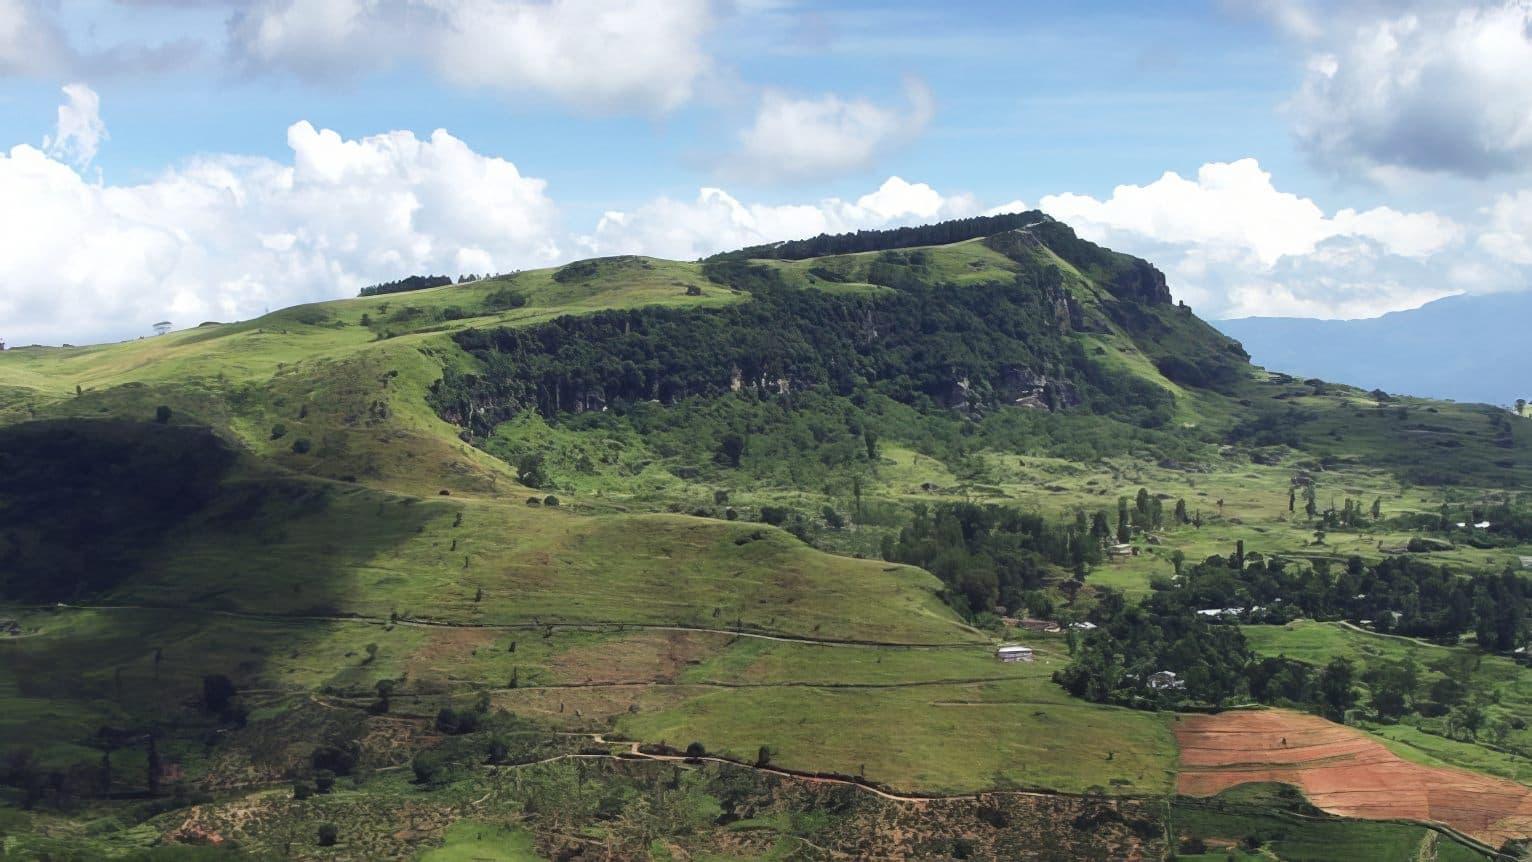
pixel 1165 680
pixel 1014 652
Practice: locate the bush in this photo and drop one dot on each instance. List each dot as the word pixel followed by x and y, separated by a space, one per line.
pixel 550 500
pixel 428 767
pixel 301 446
pixel 335 759
pixel 696 749
pixel 324 781
pixel 775 515
pixel 302 791
pixel 533 501
pixel 278 431
pixel 504 299
pixel 454 722
pixel 328 834
pixel 217 692
pixel 162 414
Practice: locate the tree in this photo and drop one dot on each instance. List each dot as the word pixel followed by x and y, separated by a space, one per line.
pixel 1335 688
pixel 1292 498
pixel 833 519
pixel 327 834
pixel 1377 509
pixel 529 469
pixel 427 766
pixel 217 692
pixel 1181 516
pixel 162 414
pixel 1521 407
pixel 731 448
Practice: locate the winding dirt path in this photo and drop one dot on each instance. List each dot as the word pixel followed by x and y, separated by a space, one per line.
pixel 580 625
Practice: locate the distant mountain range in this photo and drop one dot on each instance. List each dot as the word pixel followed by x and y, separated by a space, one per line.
pixel 1467 348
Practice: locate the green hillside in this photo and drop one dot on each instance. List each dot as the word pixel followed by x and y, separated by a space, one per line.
pixel 773 507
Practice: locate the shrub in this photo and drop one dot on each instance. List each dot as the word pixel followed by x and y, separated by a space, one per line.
pixel 301 446
pixel 775 515
pixel 162 414
pixel 428 767
pixel 696 749
pixel 328 834
pixel 324 781
pixel 550 500
pixel 533 501
pixel 217 692
pixel 302 791
pixel 278 431
pixel 504 299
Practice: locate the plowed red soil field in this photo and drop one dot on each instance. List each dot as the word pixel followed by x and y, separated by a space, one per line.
pixel 1344 771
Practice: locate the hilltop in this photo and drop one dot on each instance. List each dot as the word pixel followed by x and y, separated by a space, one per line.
pixel 428 538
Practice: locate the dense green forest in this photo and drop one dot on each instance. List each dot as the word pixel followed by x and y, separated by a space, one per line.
pixel 970 349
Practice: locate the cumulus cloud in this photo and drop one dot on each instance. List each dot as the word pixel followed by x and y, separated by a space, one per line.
pixel 80 129
pixel 1433 89
pixel 717 221
pixel 798 139
pixel 1509 236
pixel 1234 245
pixel 224 237
pixel 634 55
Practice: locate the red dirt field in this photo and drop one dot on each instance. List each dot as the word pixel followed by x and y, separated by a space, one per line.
pixel 1345 772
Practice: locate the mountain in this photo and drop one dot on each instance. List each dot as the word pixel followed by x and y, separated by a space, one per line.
pixel 1467 348
pixel 638 558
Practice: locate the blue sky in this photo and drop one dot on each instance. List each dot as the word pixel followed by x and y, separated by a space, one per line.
pixel 1334 160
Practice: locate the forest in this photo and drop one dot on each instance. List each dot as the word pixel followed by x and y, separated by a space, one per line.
pixel 972 349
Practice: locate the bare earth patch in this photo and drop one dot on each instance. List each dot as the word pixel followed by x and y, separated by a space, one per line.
pixel 1345 772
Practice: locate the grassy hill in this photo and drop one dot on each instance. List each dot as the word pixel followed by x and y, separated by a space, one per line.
pixel 650 501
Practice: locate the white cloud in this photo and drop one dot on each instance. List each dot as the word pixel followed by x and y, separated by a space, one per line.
pixel 1509 237
pixel 804 139
pixel 1234 207
pixel 716 221
pixel 1234 245
pixel 224 237
pixel 29 41
pixel 641 55
pixel 80 129
pixel 1441 89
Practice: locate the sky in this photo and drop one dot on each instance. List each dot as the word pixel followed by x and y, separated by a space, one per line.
pixel 198 160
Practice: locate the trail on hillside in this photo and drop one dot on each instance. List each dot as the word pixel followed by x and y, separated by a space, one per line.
pixel 596 625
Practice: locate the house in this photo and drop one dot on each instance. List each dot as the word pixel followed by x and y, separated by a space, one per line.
pixel 1220 613
pixel 1014 652
pixel 1122 551
pixel 1083 627
pixel 1165 680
